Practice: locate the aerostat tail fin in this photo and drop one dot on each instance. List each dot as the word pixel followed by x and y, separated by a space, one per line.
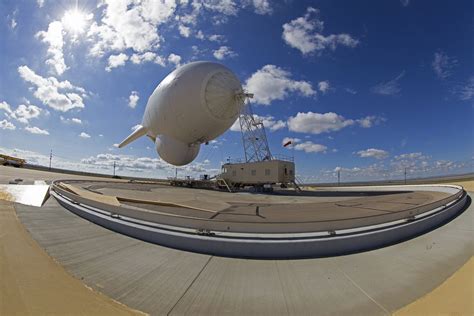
pixel 139 132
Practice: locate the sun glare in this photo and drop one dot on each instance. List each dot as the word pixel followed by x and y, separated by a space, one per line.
pixel 74 21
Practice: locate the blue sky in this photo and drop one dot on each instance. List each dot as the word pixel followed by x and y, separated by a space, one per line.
pixel 366 87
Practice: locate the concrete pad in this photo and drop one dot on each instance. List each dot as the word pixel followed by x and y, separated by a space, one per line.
pixel 33 284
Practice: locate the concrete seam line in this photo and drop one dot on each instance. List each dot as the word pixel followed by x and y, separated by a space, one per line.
pixel 365 293
pixel 190 285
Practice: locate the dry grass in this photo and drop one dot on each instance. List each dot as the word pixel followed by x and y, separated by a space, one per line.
pixel 5 196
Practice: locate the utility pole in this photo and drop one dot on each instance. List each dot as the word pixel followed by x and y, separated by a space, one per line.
pixel 50 158
pixel 338 177
pixel 114 168
pixel 176 173
pixel 405 175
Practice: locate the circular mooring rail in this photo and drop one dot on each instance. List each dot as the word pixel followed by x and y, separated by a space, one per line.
pixel 277 245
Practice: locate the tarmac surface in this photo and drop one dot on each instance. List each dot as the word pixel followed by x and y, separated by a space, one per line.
pixel 160 280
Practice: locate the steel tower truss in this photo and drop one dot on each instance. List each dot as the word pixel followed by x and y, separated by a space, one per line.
pixel 254 137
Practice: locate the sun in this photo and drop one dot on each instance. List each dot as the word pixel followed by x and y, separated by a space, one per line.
pixel 74 21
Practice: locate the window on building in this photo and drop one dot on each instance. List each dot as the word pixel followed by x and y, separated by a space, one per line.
pixel 267 172
pixel 254 172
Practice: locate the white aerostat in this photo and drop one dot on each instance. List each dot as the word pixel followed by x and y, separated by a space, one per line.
pixel 194 104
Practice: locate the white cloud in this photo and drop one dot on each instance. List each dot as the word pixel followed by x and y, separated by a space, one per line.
pixel 317 123
pixel 36 130
pixel 5 107
pixel 4 124
pixel 351 91
pixel 304 34
pixel 466 92
pixel 311 147
pixel 224 52
pixel 74 120
pixel 307 146
pixel 133 99
pixel 217 38
pixel 142 58
pixel 262 7
pixel 116 61
pixel 200 35
pixel 324 86
pixel 40 3
pixel 273 83
pixel 390 87
pixel 268 121
pixel 174 59
pixel 25 112
pixel 226 7
pixel 54 38
pixel 443 64
pixel 185 31
pixel 373 153
pixel 47 91
pixel 84 135
pixel 129 25
pixel 13 23
pixel 370 121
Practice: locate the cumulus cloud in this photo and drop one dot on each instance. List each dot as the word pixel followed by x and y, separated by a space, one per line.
pixel 116 61
pixel 133 99
pixel 317 123
pixel 25 112
pixel 369 121
pixel 217 38
pixel 4 124
pixel 48 91
pixel 226 7
pixel 262 7
pixel 223 52
pixel 304 34
pixel 74 120
pixel 54 38
pixel 84 135
pixel 129 25
pixel 268 121
pixel 174 59
pixel 443 64
pixel 185 31
pixel 306 146
pixel 142 58
pixel 36 130
pixel 390 87
pixel 324 86
pixel 273 83
pixel 373 153
pixel 22 114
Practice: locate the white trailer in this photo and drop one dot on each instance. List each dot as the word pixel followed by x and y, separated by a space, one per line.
pixel 259 173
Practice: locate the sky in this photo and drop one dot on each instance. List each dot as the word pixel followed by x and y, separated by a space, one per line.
pixel 366 88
